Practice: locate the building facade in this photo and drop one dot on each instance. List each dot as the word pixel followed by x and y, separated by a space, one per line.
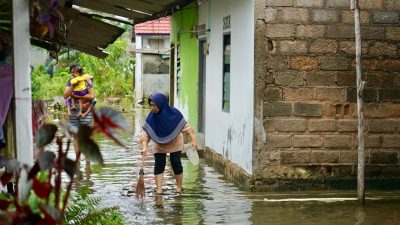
pixel 152 51
pixel 278 84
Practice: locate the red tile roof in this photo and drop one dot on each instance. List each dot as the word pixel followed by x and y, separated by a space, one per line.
pixel 158 26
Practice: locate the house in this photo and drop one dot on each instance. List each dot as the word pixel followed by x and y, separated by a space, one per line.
pixel 152 57
pixel 21 24
pixel 270 87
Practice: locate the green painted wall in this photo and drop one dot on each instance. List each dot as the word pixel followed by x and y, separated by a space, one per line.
pixel 182 23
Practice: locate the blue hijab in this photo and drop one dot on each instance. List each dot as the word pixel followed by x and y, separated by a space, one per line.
pixel 164 126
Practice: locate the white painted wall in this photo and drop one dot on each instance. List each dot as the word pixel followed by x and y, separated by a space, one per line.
pixel 155 42
pixel 230 134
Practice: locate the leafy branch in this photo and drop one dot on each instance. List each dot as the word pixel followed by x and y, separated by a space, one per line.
pixel 53 209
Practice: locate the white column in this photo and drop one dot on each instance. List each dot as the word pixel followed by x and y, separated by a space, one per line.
pixel 138 71
pixel 22 82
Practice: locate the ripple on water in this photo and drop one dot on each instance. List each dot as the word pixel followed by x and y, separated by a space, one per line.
pixel 208 199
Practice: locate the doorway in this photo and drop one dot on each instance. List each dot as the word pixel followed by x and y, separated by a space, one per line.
pixel 202 87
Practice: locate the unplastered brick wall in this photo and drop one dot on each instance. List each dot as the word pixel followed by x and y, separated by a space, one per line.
pixel 306 83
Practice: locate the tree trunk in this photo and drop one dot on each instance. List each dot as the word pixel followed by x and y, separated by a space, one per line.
pixel 360 108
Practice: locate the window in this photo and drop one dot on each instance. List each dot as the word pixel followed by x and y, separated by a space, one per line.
pixel 178 70
pixel 226 83
pixel 156 43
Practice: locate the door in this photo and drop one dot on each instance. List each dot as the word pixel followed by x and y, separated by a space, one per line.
pixel 202 87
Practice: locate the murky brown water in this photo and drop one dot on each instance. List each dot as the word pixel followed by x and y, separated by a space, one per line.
pixel 208 199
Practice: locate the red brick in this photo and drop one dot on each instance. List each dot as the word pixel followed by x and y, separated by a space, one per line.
pixel 307 141
pixel 385 110
pixel 321 78
pixel 324 46
pixel 346 78
pixel 348 157
pixel 280 141
pixel 337 141
pixel 391 65
pixel 304 62
pixel 298 94
pixel 324 157
pixel 295 157
pixel 321 125
pixel 270 125
pixel 371 4
pixel 368 64
pixel 330 94
pixel 383 49
pixel 291 125
pixel 347 125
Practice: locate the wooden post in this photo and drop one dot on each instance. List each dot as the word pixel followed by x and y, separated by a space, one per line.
pixel 22 82
pixel 360 108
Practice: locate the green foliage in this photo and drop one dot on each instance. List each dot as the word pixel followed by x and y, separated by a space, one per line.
pixel 5 196
pixel 84 210
pixel 113 76
pixel 45 87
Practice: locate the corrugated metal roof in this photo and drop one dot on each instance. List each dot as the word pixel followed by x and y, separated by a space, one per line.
pixel 158 26
pixel 88 34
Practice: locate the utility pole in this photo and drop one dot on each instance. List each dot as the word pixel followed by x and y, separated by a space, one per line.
pixel 360 106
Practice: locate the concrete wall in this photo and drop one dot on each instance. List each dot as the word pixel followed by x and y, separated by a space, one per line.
pixel 230 134
pixel 38 56
pixel 155 83
pixel 152 65
pixel 305 88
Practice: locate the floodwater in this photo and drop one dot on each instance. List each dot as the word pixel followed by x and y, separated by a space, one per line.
pixel 209 199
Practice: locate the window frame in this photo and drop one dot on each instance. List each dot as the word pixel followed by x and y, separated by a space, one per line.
pixel 226 68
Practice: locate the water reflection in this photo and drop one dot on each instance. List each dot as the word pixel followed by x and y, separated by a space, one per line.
pixel 360 215
pixel 208 199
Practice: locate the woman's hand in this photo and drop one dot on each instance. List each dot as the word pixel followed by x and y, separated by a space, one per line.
pixel 144 154
pixel 194 145
pixel 144 149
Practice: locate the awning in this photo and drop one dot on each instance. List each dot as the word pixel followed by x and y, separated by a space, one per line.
pixel 86 33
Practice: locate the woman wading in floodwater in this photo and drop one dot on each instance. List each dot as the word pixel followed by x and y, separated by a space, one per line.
pixel 164 125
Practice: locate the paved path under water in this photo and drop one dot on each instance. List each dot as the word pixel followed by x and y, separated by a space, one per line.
pixel 209 199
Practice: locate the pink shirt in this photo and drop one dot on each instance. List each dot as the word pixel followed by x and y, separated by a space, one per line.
pixel 173 146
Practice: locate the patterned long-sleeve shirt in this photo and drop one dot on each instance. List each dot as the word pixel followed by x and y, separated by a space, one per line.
pixel 173 146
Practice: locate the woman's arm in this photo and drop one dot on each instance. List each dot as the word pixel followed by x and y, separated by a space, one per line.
pixel 193 138
pixel 187 129
pixel 68 91
pixel 89 96
pixel 69 88
pixel 144 140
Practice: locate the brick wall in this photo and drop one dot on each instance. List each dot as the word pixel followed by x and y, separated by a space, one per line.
pixel 305 86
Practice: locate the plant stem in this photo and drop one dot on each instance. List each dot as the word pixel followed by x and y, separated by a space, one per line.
pixel 69 187
pixel 59 170
pixel 49 181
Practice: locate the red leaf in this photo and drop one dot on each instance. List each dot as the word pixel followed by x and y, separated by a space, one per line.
pixel 108 121
pixel 5 178
pixel 41 189
pixel 4 204
pixel 35 169
pixel 109 117
pixel 111 134
pixel 84 132
pixel 45 135
pixel 51 215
